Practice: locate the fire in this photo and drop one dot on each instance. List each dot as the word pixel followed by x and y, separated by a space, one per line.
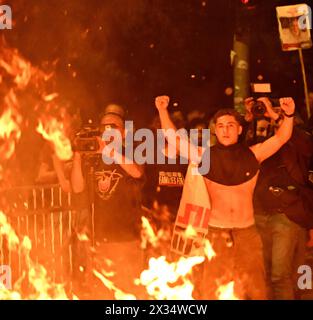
pixel 8 125
pixel 226 292
pixel 169 281
pixel 53 131
pixel 36 274
pixel 17 67
pixel 190 232
pixel 119 294
pixel 10 131
pixel 7 230
pixel 148 235
pixel 208 250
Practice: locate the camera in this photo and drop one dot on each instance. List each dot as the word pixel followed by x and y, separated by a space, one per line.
pixel 86 139
pixel 258 109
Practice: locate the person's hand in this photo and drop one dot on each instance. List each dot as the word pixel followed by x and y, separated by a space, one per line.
pixel 101 144
pixel 248 103
pixel 269 113
pixel 162 102
pixel 287 105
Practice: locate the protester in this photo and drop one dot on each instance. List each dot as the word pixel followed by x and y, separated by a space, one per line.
pixel 230 183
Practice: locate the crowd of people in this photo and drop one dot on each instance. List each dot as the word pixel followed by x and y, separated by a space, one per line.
pixel 259 186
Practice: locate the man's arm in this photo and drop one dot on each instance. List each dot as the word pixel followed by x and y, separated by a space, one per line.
pixel 266 149
pixel 186 149
pixel 60 171
pixel 133 169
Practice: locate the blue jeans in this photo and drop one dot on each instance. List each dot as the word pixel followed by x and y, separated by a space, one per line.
pixel 284 250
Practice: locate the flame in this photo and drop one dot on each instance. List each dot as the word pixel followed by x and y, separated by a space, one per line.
pixel 10 121
pixel 190 232
pixel 50 97
pixel 161 276
pixel 119 294
pixel 43 287
pixel 53 131
pixel 17 67
pixel 149 236
pixel 226 292
pixel 208 250
pixel 7 230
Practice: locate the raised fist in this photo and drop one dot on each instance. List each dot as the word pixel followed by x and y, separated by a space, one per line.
pixel 287 105
pixel 161 102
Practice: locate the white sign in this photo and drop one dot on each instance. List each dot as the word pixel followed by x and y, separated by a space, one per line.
pixel 294 23
pixel 194 211
pixel 5 17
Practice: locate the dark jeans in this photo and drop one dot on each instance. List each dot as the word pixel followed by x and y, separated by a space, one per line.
pixel 284 250
pixel 239 258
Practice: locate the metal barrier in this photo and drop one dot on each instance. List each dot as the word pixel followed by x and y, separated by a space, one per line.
pixel 45 214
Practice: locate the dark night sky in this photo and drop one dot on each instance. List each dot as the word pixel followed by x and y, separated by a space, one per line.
pixel 129 51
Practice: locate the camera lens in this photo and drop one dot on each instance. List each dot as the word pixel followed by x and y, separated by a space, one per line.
pixel 258 109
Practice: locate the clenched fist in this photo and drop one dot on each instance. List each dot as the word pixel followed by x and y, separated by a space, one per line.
pixel 162 102
pixel 287 105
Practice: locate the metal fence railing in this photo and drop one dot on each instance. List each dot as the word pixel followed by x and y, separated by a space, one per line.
pixel 46 215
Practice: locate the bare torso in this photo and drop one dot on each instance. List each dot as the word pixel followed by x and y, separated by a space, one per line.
pixel 231 206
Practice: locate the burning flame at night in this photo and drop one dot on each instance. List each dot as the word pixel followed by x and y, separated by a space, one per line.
pixel 10 122
pixel 226 292
pixel 53 131
pixel 25 76
pixel 6 230
pixel 119 294
pixel 148 235
pixel 17 67
pixel 36 274
pixel 163 280
pixel 169 281
pixel 208 250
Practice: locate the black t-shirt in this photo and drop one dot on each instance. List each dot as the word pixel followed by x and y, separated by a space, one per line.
pixel 231 165
pixel 117 198
pixel 165 184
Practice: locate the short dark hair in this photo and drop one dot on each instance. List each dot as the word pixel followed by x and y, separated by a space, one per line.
pixel 228 112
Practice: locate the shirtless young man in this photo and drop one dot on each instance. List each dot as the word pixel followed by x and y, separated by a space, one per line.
pixel 230 183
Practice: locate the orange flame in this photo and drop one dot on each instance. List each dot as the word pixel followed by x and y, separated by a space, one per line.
pixel 10 131
pixel 17 67
pixel 36 273
pixel 226 292
pixel 208 250
pixel 53 131
pixel 161 276
pixel 119 294
pixel 149 236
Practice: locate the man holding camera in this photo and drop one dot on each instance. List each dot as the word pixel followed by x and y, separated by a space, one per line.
pixel 115 193
pixel 230 183
pixel 280 207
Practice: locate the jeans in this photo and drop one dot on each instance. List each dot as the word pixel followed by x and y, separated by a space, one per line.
pixel 239 258
pixel 284 250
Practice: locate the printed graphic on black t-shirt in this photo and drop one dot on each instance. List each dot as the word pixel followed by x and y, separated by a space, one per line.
pixel 117 202
pixel 107 182
pixel 171 179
